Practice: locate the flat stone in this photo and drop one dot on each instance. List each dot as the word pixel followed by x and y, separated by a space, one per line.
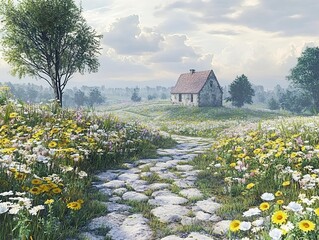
pixel 202 216
pixel 140 185
pixel 164 165
pixel 182 183
pixel 215 218
pixel 114 184
pixel 115 199
pixel 106 176
pixel 208 206
pixel 167 200
pixel 159 186
pixel 221 227
pixel 172 237
pixel 135 196
pixel 164 192
pixel 184 168
pixel 191 193
pixel 169 213
pixel 106 191
pixel 187 221
pixel 111 220
pixel 128 177
pixel 158 169
pixel 119 191
pixel 198 236
pixel 116 207
pixel 134 227
pixel 167 175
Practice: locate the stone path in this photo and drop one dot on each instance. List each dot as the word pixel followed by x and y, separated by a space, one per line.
pixel 157 199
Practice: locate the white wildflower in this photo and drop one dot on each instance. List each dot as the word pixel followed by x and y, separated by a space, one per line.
pixel 295 207
pixel 252 212
pixel 245 226
pixel 275 234
pixel 267 196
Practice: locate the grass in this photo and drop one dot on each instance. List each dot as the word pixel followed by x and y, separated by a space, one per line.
pixel 189 121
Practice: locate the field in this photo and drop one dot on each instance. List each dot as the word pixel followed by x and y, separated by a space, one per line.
pixel 262 166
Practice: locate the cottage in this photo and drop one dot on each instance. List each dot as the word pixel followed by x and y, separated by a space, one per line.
pixel 197 89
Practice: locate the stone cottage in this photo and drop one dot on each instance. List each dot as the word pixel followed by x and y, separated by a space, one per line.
pixel 197 89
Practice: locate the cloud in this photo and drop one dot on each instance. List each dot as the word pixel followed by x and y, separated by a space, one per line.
pixel 174 49
pixel 126 36
pixel 287 17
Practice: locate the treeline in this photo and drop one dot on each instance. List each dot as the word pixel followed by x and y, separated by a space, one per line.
pixel 87 95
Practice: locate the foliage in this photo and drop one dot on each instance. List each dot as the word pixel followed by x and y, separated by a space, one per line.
pixel 49 40
pixel 273 104
pixel 95 97
pixel 240 91
pixel 295 101
pixel 47 157
pixel 267 179
pixel 305 74
pixel 79 98
pixel 135 96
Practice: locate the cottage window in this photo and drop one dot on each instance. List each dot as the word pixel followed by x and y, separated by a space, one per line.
pixel 211 84
pixel 192 98
pixel 179 97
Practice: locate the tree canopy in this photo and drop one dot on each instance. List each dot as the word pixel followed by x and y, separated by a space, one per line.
pixel 240 91
pixel 49 40
pixel 305 74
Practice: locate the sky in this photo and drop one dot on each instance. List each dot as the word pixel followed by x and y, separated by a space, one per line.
pixel 151 42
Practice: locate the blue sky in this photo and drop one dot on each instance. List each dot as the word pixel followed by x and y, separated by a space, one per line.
pixel 156 41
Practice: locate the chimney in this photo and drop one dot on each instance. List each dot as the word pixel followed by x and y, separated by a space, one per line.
pixel 192 71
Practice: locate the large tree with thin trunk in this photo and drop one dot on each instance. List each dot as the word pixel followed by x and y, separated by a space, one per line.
pixel 305 74
pixel 49 40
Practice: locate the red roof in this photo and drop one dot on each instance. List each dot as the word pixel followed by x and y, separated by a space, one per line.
pixel 191 82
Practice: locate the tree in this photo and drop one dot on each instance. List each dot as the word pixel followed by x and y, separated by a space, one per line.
pixel 135 96
pixel 95 96
pixel 80 98
pixel 305 74
pixel 240 91
pixel 295 101
pixel 49 40
pixel 273 104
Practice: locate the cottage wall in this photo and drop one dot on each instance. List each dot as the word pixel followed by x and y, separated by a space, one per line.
pixel 185 99
pixel 210 95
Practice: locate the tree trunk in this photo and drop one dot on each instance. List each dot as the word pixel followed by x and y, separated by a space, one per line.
pixel 315 96
pixel 58 94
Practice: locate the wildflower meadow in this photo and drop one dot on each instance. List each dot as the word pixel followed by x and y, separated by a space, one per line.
pixel 270 176
pixel 47 157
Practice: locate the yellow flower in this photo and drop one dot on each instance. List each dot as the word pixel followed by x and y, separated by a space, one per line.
pixel 234 225
pixel 232 165
pixel 52 144
pixel 20 176
pixel 49 201
pixel 279 217
pixel 286 183
pixel 57 190
pixel 81 201
pixel 36 181
pixel 250 185
pixel 13 115
pixel 280 202
pixel 74 205
pixel 317 211
pixel 35 190
pixel 45 187
pixel 278 193
pixel 306 225
pixel 264 206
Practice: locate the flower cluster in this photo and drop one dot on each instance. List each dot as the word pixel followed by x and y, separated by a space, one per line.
pixel 46 156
